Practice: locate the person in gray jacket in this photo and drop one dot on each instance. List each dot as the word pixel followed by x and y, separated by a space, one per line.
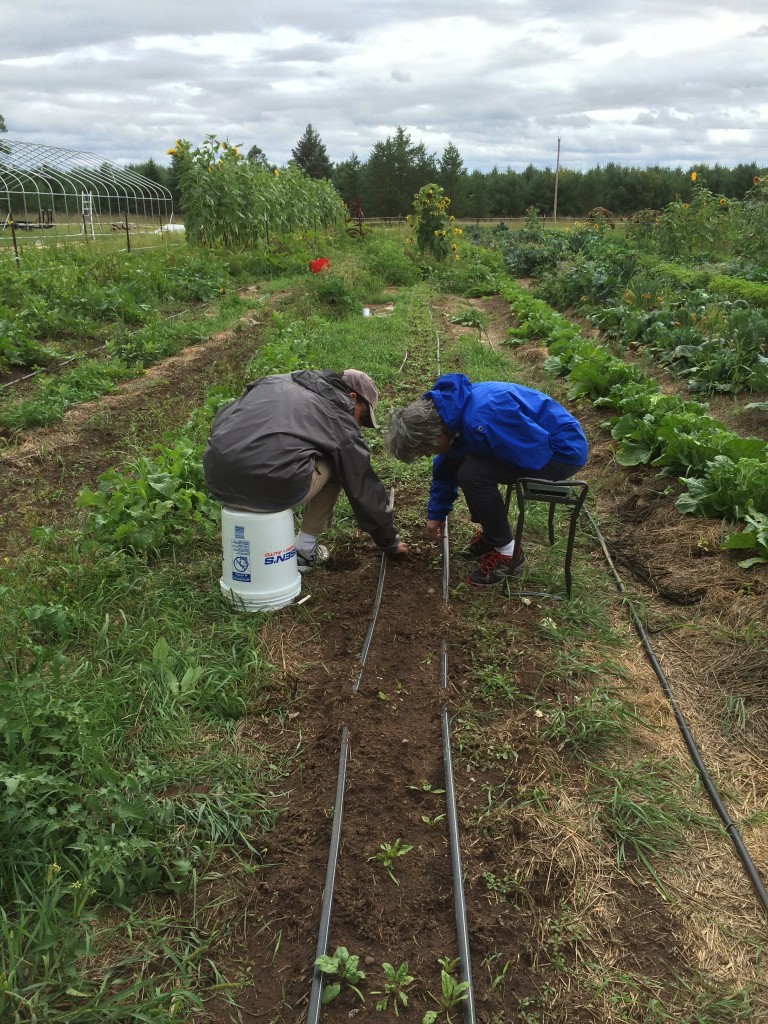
pixel 295 439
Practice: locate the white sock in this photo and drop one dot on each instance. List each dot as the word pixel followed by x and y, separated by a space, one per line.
pixel 306 541
pixel 507 549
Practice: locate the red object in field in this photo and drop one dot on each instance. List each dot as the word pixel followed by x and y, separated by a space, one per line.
pixel 317 265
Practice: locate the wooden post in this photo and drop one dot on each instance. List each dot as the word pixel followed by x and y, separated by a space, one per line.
pixel 15 244
pixel 557 180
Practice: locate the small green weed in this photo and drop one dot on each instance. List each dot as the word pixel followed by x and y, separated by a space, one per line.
pixel 594 721
pixel 509 886
pixel 644 809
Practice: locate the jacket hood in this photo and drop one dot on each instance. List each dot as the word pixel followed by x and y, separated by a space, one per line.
pixel 327 384
pixel 450 393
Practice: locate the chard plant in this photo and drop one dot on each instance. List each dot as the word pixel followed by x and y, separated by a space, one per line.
pixel 152 504
pixel 397 980
pixel 343 970
pixel 388 855
pixel 452 992
pixel 754 535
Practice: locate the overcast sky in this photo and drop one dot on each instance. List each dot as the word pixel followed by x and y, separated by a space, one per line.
pixel 637 82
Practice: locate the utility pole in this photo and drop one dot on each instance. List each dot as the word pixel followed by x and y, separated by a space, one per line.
pixel 557 179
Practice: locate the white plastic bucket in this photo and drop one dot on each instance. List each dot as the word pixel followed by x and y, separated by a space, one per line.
pixel 259 567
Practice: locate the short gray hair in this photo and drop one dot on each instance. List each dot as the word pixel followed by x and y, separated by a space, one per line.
pixel 414 430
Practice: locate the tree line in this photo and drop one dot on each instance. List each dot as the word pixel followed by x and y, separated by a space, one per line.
pixel 398 167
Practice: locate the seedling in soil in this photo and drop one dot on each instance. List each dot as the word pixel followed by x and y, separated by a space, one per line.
pixel 452 991
pixel 343 969
pixel 397 981
pixel 427 787
pixel 432 821
pixel 388 854
pixel 490 963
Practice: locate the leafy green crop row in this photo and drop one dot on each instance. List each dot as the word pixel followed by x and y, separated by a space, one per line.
pixel 59 299
pixel 725 475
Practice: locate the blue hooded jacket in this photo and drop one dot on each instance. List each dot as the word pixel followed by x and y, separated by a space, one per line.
pixel 520 426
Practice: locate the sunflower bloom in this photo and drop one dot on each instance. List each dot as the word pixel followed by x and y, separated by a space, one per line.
pixel 694 175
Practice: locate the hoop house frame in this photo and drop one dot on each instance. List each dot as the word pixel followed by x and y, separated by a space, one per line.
pixel 74 194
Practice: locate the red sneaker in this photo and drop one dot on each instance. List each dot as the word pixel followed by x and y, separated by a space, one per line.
pixel 477 547
pixel 494 567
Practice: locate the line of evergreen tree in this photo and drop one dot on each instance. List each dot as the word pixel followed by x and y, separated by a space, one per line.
pixel 398 167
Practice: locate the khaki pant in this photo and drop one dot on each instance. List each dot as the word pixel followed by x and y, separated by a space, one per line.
pixel 319 501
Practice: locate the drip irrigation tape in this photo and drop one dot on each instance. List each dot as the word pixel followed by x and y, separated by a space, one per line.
pixel 459 901
pixel 371 623
pixel 685 731
pixel 316 992
pixel 446 566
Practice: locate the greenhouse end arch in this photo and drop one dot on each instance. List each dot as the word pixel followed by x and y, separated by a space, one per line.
pixel 65 193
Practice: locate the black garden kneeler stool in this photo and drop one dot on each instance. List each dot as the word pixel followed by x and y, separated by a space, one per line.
pixel 572 493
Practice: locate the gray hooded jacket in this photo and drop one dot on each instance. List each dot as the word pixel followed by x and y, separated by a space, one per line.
pixel 263 446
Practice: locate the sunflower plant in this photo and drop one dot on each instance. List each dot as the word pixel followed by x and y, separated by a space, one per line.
pixel 433 228
pixel 236 203
pixel 699 226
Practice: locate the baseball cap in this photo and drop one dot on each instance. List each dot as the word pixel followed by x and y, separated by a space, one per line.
pixel 364 388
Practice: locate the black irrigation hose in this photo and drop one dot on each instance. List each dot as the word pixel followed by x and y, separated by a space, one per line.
pixel 459 900
pixel 462 931
pixel 316 991
pixel 690 743
pixel 313 1015
pixel 371 623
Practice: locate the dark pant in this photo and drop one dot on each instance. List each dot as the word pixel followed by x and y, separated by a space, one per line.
pixel 479 479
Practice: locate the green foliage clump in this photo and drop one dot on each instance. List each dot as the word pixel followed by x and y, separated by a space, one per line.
pixel 334 291
pixel 385 261
pixel 152 506
pixel 55 394
pixel 235 203
pixel 431 225
pixel 479 272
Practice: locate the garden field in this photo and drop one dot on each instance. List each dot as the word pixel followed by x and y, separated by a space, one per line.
pixel 170 765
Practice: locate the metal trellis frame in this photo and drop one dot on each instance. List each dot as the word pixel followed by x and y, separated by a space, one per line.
pixel 70 194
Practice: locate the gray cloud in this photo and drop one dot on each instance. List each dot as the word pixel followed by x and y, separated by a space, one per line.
pixel 663 83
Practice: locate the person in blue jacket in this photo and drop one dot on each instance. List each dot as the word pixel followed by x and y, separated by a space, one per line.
pixel 482 435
